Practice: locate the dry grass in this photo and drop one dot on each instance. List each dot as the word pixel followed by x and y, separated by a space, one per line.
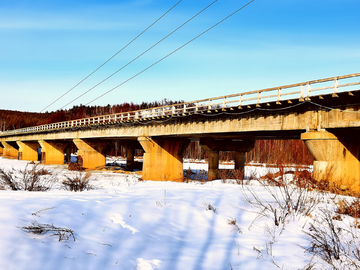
pixel 351 209
pixel 64 234
pixel 334 243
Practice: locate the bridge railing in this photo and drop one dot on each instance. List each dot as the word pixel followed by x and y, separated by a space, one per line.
pixel 302 91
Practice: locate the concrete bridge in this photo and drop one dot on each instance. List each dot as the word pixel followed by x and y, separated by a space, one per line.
pixel 324 113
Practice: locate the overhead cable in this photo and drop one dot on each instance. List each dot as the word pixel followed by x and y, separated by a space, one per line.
pixel 137 57
pixel 170 53
pixel 113 55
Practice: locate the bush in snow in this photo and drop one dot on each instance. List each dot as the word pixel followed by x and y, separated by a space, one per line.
pixel 33 179
pixel 78 182
pixel 349 208
pixel 225 174
pixel 334 242
pixel 286 200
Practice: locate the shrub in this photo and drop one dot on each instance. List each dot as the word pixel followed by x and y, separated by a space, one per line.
pixel 77 165
pixel 78 182
pixel 33 179
pixel 336 245
pixel 351 209
pixel 237 175
pixel 287 200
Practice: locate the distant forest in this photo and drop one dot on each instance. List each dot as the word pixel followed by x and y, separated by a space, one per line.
pixel 10 120
pixel 265 151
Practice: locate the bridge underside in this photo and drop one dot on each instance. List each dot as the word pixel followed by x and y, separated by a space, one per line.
pixel 331 134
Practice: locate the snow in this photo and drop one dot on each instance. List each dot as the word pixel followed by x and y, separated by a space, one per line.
pixel 123 223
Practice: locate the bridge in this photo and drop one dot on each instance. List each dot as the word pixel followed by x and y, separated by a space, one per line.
pixel 323 113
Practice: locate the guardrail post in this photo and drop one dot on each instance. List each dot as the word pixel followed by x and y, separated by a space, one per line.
pixel 240 101
pixel 308 89
pixel 278 96
pixel 336 84
pixel 258 99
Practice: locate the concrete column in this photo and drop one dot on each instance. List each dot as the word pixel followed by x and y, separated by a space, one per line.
pixel 52 152
pixel 91 153
pixel 336 160
pixel 213 146
pixel 130 155
pixel 163 158
pixel 240 160
pixel 213 165
pixel 131 146
pixel 11 149
pixel 28 150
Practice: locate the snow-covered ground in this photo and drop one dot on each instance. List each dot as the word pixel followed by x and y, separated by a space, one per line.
pixel 123 223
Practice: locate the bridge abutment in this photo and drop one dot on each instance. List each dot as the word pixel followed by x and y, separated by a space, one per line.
pixel 163 158
pixel 28 150
pixel 336 159
pixel 52 152
pixel 91 153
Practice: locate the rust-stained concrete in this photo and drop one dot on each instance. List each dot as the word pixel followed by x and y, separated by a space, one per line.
pixel 335 161
pixel 163 158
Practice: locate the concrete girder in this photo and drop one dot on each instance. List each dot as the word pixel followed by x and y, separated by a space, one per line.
pixel 163 158
pixel 336 159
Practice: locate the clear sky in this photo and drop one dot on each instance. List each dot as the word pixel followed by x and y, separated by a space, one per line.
pixel 47 47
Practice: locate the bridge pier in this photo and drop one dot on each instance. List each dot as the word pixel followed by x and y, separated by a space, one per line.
pixel 213 164
pixel 213 147
pixel 336 159
pixel 131 146
pixel 163 158
pixel 91 153
pixel 11 149
pixel 28 150
pixel 52 152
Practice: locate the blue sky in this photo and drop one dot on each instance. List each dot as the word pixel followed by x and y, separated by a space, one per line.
pixel 47 47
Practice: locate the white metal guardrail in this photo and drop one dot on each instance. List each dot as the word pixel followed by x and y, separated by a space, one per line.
pixel 302 91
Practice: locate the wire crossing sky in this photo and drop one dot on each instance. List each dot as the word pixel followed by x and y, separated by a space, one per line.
pixel 161 40
pixel 166 56
pixel 47 47
pixel 103 64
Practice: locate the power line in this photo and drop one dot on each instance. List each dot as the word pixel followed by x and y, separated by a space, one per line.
pixel 113 55
pixel 157 43
pixel 171 52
